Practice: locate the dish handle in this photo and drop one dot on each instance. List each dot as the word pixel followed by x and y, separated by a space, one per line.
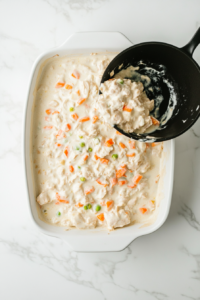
pixel 193 43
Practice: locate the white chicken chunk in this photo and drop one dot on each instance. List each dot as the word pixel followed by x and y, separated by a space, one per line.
pixel 57 119
pixel 117 219
pixel 54 103
pixel 101 193
pixel 104 151
pixel 78 193
pixel 87 173
pixel 82 221
pixel 45 197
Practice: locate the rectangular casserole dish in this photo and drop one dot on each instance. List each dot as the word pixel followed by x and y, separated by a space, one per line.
pixel 96 240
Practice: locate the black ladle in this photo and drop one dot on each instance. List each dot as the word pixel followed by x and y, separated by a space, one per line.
pixel 181 70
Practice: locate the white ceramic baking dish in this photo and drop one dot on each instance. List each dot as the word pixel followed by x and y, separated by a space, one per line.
pixel 96 240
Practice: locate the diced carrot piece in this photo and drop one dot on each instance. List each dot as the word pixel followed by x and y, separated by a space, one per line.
pixel 99 182
pixel 103 203
pixel 121 172
pixel 57 196
pixel 126 108
pixel 132 144
pixel 123 166
pixel 78 92
pixel 119 133
pixel 66 151
pixel 84 119
pixel 122 145
pixel 79 102
pixel 143 210
pixel 61 200
pixel 109 204
pixel 104 161
pixel 59 145
pixel 155 121
pixel 64 201
pixel 94 119
pixel 79 205
pixel 48 111
pixel 48 127
pixel 101 217
pixel 59 84
pixel 75 116
pixel 89 191
pixel 113 181
pixel 153 144
pixel 68 127
pixel 157 178
pixel 55 112
pixel 147 146
pixel 122 182
pixel 111 79
pixel 109 143
pixel 96 156
pixel 68 87
pixel 71 169
pixel 76 74
pixel 132 186
pixel 130 155
pixel 85 157
pixel 136 180
pixel 60 134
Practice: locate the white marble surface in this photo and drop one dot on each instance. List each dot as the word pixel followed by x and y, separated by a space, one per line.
pixel 163 265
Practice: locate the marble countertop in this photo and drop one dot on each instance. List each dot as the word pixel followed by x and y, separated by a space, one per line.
pixel 162 265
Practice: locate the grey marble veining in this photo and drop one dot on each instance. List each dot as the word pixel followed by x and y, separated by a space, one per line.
pixel 196 258
pixel 189 216
pixel 40 250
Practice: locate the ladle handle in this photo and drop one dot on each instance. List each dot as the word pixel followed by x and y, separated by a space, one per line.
pixel 193 43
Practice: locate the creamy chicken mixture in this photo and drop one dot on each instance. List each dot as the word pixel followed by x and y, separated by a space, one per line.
pixel 87 174
pixel 126 104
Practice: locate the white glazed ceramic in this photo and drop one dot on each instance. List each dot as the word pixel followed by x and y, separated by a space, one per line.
pixel 96 240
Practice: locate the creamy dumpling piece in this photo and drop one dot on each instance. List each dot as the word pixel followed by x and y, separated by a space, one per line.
pixel 86 173
pixel 126 104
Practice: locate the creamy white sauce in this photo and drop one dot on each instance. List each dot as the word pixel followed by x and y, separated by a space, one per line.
pixel 66 151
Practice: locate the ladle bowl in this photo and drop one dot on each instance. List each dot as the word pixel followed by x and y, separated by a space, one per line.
pixel 184 74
